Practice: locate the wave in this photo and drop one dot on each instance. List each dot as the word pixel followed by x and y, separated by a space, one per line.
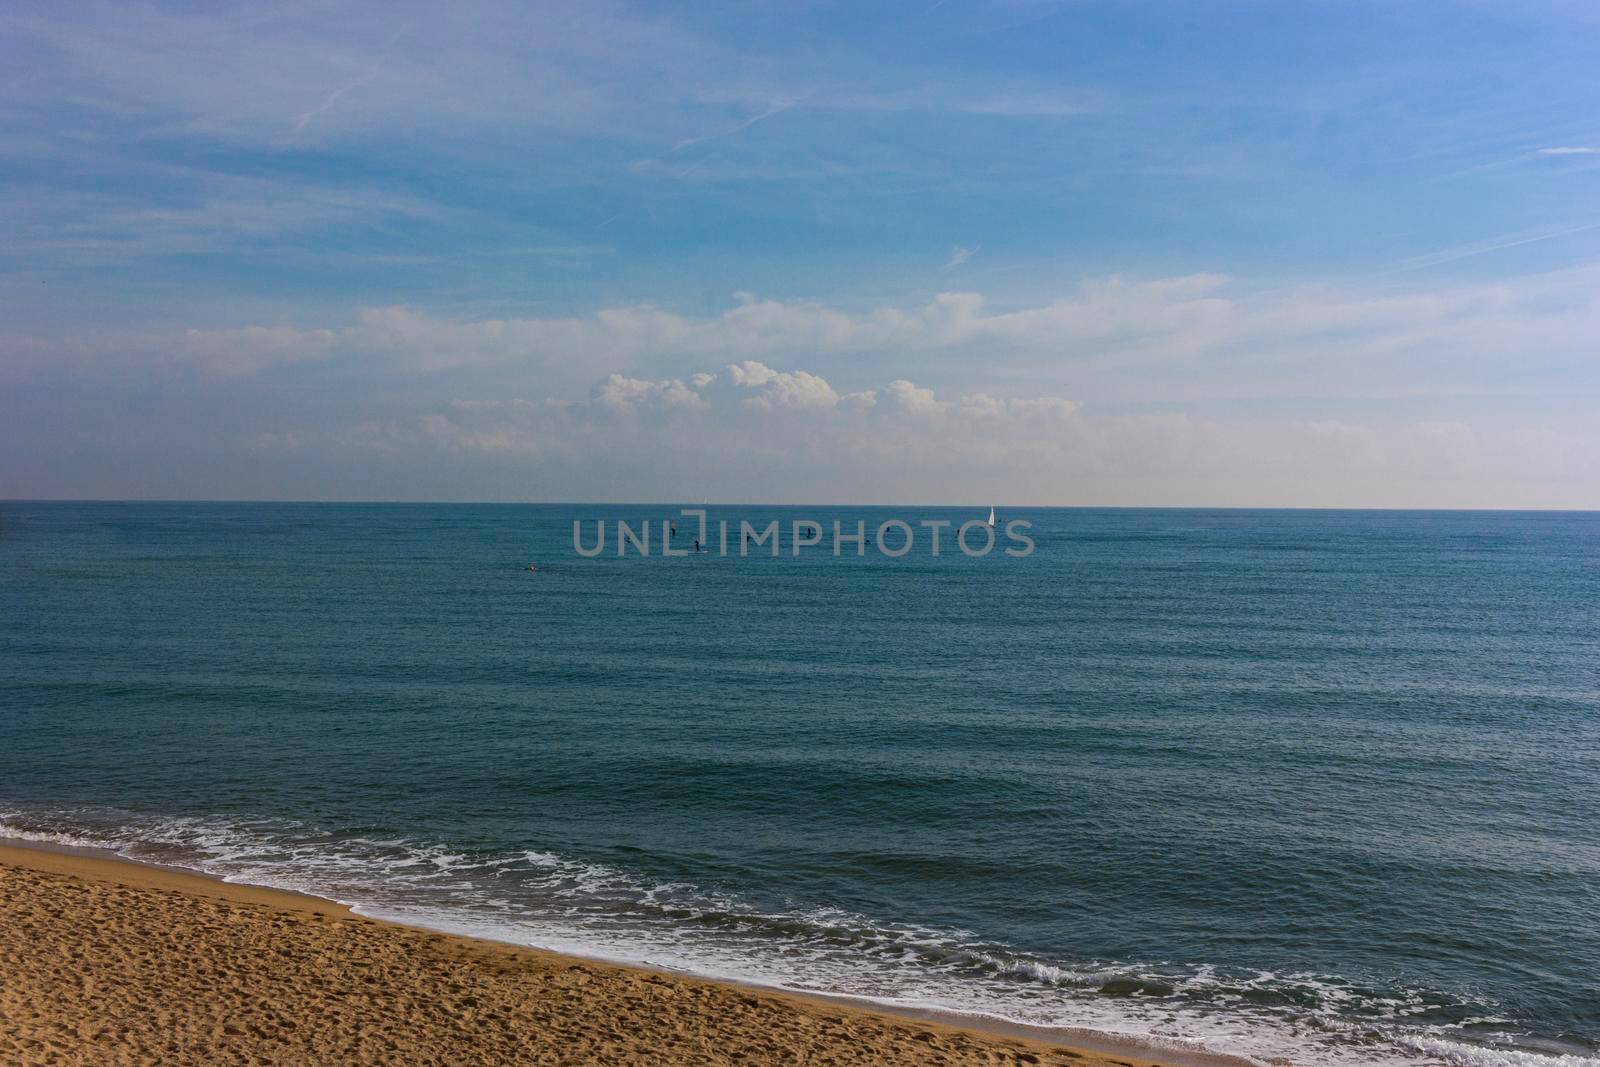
pixel 547 900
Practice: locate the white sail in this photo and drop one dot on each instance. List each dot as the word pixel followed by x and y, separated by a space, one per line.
pixel 991 516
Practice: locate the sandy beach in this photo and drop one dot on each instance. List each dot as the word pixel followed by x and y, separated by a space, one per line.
pixel 108 962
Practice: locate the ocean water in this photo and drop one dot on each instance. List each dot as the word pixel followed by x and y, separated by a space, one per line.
pixel 1315 787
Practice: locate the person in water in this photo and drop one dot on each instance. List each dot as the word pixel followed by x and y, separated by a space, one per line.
pixel 697 544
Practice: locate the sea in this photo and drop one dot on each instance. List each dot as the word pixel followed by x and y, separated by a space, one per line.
pixel 1297 787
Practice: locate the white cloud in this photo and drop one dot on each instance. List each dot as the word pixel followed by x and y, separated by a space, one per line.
pixel 906 397
pixel 750 373
pixel 925 95
pixel 860 401
pixel 781 389
pixel 252 348
pixel 959 255
pixel 787 420
pixel 1172 390
pixel 1186 338
pixel 921 446
pixel 1570 150
pixel 622 337
pixel 620 394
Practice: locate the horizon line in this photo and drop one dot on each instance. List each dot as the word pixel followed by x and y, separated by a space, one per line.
pixel 268 501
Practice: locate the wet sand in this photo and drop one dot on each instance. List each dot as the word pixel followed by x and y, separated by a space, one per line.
pixel 108 962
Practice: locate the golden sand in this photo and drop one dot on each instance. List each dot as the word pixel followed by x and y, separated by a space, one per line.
pixel 106 962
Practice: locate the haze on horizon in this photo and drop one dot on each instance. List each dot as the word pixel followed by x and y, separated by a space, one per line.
pixel 1027 252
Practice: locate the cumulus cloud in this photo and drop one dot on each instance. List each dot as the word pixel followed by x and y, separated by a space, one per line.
pixel 620 394
pixel 781 389
pixel 751 374
pixel 1189 389
pixel 906 397
pixel 753 393
pixel 790 423
pixel 921 444
pixel 754 386
pixel 1185 339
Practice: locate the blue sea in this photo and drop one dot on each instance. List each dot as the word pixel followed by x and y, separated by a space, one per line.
pixel 1309 787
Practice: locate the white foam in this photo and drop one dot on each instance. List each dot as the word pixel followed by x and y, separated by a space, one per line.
pixel 1456 1053
pixel 542 899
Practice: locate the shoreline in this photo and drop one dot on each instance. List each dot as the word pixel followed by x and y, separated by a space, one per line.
pixel 979 1038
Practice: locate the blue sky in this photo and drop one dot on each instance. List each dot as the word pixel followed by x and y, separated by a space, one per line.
pixel 1129 253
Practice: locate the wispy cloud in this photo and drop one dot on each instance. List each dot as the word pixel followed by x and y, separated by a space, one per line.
pixel 1493 244
pixel 199 211
pixel 945 95
pixel 380 225
pixel 327 103
pixel 959 255
pixel 776 109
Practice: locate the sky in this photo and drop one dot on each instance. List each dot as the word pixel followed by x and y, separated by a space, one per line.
pixel 1093 252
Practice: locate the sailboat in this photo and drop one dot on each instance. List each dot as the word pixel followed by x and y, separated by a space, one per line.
pixel 991 517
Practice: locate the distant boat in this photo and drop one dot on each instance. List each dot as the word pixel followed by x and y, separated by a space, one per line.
pixel 991 516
